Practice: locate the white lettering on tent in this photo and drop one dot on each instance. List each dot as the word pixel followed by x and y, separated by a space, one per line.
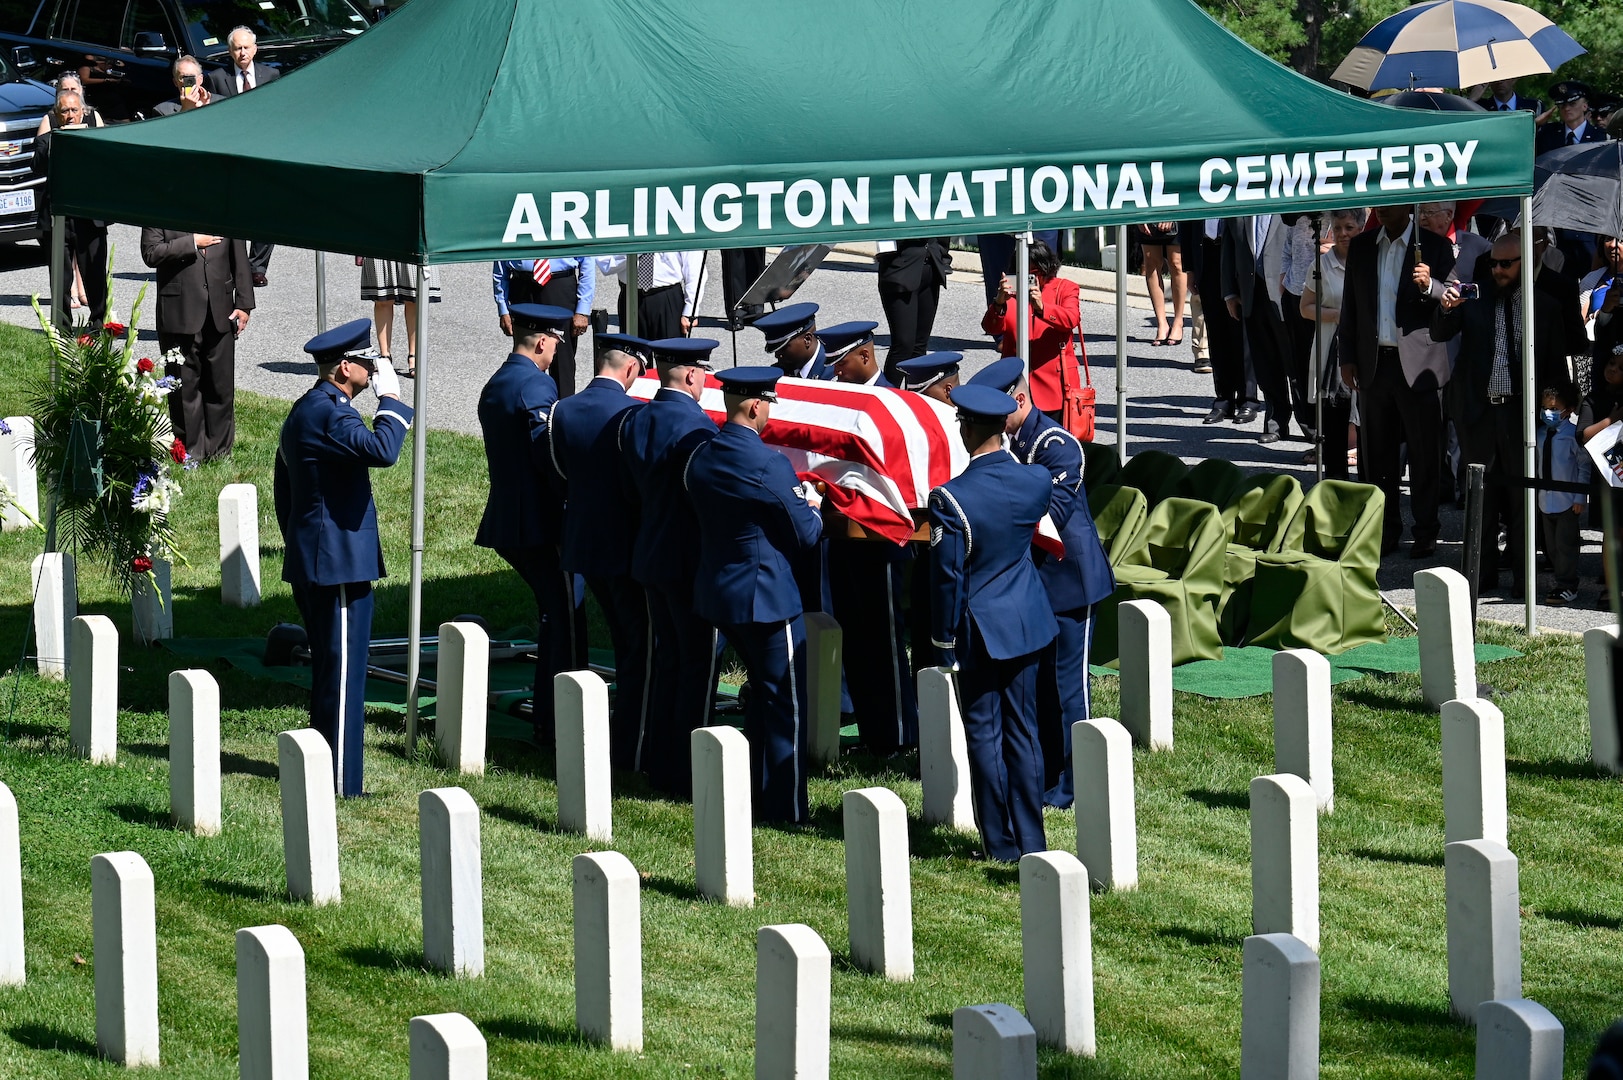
pixel 906 199
pixel 1158 186
pixel 525 220
pixel 1290 176
pixel 845 202
pixel 1462 160
pixel 569 209
pixel 1017 192
pixel 1129 188
pixel 1040 179
pixel 639 212
pixel 606 228
pixel 763 190
pixel 1328 170
pixel 1362 158
pixel 1208 172
pixel 1251 173
pixel 989 179
pixel 1394 168
pixel 954 198
pixel 730 214
pixel 791 204
pixel 669 210
pixel 1428 163
pixel 1092 187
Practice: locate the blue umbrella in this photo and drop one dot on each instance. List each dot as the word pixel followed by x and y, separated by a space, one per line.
pixel 1456 43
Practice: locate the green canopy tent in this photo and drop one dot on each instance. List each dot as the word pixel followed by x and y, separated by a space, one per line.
pixel 462 130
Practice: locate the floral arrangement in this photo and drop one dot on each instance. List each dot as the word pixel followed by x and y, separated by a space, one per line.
pixel 103 443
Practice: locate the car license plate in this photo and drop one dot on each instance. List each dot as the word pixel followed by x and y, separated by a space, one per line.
pixel 17 202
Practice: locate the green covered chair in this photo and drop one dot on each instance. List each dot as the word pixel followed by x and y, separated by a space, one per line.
pixel 1179 565
pixel 1101 465
pixel 1156 473
pixel 1120 515
pixel 1214 480
pixel 1318 591
pixel 1255 519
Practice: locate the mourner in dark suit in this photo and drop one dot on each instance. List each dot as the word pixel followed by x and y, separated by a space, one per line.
pixel 1234 383
pixel 244 75
pixel 205 293
pixel 523 518
pixel 656 442
pixel 910 282
pixel 1074 583
pixel 1247 296
pixel 1389 359
pixel 600 519
pixel 739 269
pixel 331 554
pixel 992 619
pixel 754 515
pixel 1485 395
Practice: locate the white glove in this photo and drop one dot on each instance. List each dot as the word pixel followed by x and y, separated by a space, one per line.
pixel 385 382
pixel 808 491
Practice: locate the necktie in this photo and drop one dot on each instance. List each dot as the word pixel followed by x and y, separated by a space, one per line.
pixel 1504 106
pixel 246 80
pixel 645 273
pixel 542 272
pixel 1572 137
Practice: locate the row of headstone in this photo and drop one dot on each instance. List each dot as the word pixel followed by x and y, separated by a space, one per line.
pixel 1604 747
pixel 17 473
pixel 56 604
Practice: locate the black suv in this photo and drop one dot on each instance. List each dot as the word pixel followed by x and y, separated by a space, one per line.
pixel 23 102
pixel 122 49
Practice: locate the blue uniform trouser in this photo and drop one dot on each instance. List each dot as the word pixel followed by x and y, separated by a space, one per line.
pixel 999 699
pixel 1063 698
pixel 865 579
pixel 925 654
pixel 775 715
pixel 556 632
pixel 680 692
pixel 338 621
pixel 625 607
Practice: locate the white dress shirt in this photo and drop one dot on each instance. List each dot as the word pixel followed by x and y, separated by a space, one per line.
pixel 683 268
pixel 245 79
pixel 1389 257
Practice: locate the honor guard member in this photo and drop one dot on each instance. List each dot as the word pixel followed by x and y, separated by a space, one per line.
pixel 791 338
pixel 569 283
pixel 656 442
pixel 331 552
pixel 600 523
pixel 754 515
pixel 1074 583
pixel 523 519
pixel 992 619
pixel 866 584
pixel 933 375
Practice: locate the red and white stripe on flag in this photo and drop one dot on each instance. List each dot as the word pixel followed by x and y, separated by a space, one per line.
pixel 542 272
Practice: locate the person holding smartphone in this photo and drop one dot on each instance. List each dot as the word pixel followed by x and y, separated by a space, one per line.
pixel 191 93
pixel 1056 312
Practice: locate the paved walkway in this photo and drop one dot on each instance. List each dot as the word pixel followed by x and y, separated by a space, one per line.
pixel 464 346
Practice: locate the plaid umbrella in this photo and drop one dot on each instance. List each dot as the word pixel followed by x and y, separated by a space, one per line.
pixel 1456 43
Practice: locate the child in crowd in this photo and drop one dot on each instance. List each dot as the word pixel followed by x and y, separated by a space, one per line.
pixel 1562 458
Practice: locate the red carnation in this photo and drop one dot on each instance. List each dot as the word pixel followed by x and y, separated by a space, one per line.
pixel 177 450
pixel 141 564
pixel 114 328
pixel 144 365
pixel 85 340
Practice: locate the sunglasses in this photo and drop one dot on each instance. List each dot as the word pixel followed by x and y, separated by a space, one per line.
pixel 1504 264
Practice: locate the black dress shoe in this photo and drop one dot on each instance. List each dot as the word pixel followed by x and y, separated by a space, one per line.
pixel 1220 412
pixel 260 281
pixel 1244 414
pixel 1422 549
pixel 1268 437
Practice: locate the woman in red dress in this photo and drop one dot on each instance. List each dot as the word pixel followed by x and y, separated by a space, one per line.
pixel 1056 312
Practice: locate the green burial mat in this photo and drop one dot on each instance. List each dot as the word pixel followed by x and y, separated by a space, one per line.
pixel 1249 671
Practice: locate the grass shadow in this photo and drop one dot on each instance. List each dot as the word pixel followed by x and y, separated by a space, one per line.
pixel 136 814
pixel 526 1029
pixel 675 888
pixel 1401 1012
pixel 385 957
pixel 1402 858
pixel 43 1037
pixel 1204 939
pixel 827 822
pixel 522 817
pixel 1002 875
pixel 940 1019
pixel 1221 800
pixel 1556 770
pixel 243 891
pixel 239 765
pixel 1584 920
pixel 157 751
pixel 1378 694
pixel 886 1037
pixel 940 841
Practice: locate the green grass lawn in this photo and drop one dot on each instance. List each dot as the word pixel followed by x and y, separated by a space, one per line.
pixel 1167 956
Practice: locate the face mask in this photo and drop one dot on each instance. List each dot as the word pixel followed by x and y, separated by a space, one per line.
pixel 1552 418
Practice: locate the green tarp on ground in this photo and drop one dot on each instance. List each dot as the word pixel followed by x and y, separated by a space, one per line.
pixel 461 130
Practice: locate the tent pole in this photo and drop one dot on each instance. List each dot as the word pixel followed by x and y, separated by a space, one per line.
pixel 1530 406
pixel 630 287
pixel 1022 300
pixel 321 292
pixel 1316 373
pixel 60 285
pixel 419 480
pixel 1121 342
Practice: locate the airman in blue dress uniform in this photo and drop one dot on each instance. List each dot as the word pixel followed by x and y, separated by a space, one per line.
pixel 791 338
pixel 657 441
pixel 329 525
pixel 600 524
pixel 754 515
pixel 1074 583
pixel 933 374
pixel 523 519
pixel 992 619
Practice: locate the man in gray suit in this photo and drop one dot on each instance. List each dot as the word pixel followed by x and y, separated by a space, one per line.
pixel 204 296
pixel 242 76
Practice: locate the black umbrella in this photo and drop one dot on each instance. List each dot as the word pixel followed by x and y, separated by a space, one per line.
pixel 1580 188
pixel 1435 100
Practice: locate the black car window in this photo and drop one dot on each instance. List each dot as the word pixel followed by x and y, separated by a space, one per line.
pixel 16 16
pixel 96 22
pixel 147 17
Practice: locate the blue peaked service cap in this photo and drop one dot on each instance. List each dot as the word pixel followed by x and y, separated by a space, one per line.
pixel 332 345
pixel 1000 375
pixel 841 339
pixel 981 404
pixel 783 324
pixel 548 317
pixel 750 382
pixel 922 371
pixel 682 350
pixel 636 346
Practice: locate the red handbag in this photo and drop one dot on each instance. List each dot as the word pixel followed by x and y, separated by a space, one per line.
pixel 1077 402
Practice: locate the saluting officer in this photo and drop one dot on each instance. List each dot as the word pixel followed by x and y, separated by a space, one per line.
pixel 865 579
pixel 523 519
pixel 600 522
pixel 754 514
pixel 331 552
pixel 1074 583
pixel 992 619
pixel 657 441
pixel 934 375
pixel 791 338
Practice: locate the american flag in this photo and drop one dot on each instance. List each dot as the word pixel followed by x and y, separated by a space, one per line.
pixel 542 272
